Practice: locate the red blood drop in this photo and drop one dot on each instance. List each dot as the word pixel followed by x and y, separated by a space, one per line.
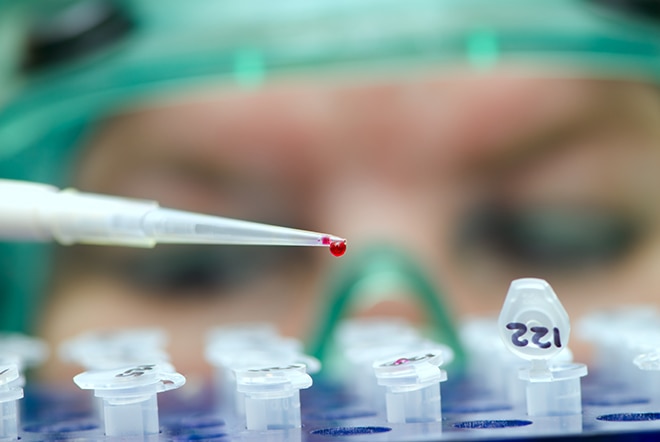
pixel 400 361
pixel 338 248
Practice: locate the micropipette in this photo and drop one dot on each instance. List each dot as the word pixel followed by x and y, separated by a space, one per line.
pixel 40 212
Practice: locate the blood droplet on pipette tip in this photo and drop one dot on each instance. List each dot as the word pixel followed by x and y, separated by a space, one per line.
pixel 338 248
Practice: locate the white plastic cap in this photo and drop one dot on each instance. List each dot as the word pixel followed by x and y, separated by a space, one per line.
pixel 410 371
pixel 132 381
pixel 367 332
pixel 533 323
pixel 10 383
pixel 272 382
pixel 226 353
pixel 249 333
pixel 649 361
pixel 101 350
pixel 25 351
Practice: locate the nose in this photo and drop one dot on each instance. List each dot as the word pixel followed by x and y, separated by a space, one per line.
pixel 389 305
pixel 366 207
pixel 387 214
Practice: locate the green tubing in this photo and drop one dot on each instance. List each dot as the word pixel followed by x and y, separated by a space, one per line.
pixel 378 268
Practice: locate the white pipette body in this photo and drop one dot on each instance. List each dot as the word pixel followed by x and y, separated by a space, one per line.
pixel 40 212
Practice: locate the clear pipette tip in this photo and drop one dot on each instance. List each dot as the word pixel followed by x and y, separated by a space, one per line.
pixel 174 226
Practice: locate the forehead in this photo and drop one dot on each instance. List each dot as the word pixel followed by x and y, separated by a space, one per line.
pixel 445 100
pixel 288 123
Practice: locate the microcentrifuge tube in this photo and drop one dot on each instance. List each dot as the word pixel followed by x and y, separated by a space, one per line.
pixel 618 337
pixel 10 392
pixel 272 395
pixel 237 347
pixel 270 357
pixel 130 406
pixel 361 341
pixel 25 351
pixel 492 368
pixel 245 333
pixel 100 350
pixel 534 326
pixel 223 344
pixel 412 381
pixel 649 364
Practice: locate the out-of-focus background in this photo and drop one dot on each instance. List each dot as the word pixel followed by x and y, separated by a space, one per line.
pixel 457 144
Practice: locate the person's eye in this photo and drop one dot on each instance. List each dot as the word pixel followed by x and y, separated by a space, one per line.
pixel 173 270
pixel 550 238
pixel 194 270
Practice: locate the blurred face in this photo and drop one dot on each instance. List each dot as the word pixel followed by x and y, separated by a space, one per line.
pixel 482 178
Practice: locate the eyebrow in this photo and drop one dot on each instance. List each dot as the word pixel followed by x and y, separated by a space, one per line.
pixel 536 142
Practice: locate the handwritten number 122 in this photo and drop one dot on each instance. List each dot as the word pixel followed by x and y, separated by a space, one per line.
pixel 539 333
